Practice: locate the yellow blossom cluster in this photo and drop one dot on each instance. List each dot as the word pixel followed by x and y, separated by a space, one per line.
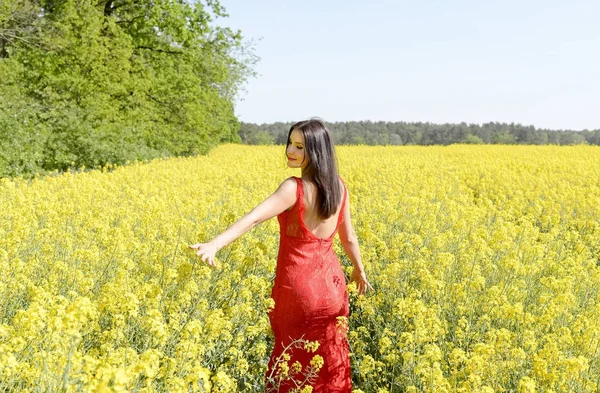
pixel 485 262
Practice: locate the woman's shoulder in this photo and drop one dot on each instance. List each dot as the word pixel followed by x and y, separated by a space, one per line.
pixel 289 185
pixel 292 180
pixel 288 189
pixel 342 184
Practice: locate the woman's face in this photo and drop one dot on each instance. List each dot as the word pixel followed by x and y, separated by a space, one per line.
pixel 295 151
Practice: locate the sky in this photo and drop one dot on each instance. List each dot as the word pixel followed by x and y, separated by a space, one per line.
pixel 529 62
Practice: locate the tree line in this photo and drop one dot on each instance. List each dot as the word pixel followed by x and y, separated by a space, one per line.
pixel 85 83
pixel 405 133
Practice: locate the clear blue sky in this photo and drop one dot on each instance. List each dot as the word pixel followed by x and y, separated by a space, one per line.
pixel 529 62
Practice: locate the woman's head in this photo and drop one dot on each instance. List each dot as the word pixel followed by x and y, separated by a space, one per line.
pixel 310 148
pixel 295 150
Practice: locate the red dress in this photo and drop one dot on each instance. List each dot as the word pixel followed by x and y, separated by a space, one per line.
pixel 310 294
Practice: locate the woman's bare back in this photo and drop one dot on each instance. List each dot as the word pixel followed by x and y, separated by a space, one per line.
pixel 315 224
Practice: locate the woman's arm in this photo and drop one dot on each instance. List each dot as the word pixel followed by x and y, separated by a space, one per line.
pixel 283 198
pixel 350 243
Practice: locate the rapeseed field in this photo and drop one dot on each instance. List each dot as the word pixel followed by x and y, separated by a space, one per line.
pixel 485 262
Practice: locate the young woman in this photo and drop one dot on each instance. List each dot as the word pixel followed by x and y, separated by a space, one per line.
pixel 310 287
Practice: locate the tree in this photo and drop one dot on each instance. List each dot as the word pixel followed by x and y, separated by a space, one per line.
pixel 473 139
pixel 120 80
pixel 261 138
pixel 395 139
pixel 19 20
pixel 504 138
pixel 571 138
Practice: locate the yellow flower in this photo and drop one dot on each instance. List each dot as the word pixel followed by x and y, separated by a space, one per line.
pixel 311 346
pixel 317 362
pixel 296 368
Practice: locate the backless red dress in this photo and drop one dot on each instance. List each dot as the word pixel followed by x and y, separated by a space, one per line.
pixel 310 294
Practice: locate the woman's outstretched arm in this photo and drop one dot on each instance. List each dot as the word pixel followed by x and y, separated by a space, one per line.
pixel 350 243
pixel 283 198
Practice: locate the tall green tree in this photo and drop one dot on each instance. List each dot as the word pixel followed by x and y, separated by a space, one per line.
pixel 118 80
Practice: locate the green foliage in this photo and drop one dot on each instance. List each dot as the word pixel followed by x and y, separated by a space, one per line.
pixel 504 138
pixel 403 133
pixel 115 81
pixel 473 139
pixel 261 138
pixel 21 137
pixel 250 134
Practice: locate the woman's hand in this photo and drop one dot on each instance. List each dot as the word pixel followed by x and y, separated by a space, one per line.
pixel 360 277
pixel 206 252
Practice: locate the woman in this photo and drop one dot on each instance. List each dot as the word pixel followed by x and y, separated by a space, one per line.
pixel 311 302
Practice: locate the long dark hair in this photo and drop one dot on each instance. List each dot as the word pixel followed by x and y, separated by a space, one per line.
pixel 321 167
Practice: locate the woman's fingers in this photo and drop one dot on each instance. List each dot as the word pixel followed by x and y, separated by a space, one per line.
pixel 362 286
pixel 203 252
pixel 359 287
pixel 208 259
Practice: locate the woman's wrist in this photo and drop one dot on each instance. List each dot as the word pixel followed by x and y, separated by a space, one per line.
pixel 215 243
